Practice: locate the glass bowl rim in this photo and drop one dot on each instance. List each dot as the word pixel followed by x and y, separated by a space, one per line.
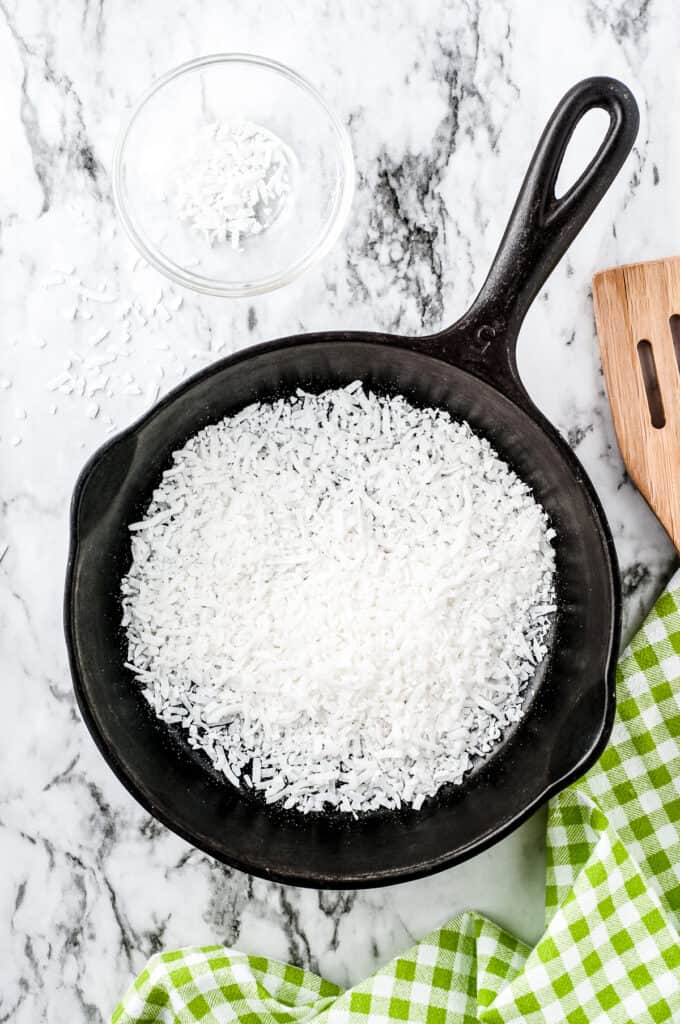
pixel 216 286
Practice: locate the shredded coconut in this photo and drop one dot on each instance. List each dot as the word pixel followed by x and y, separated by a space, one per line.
pixel 103 347
pixel 233 181
pixel 340 597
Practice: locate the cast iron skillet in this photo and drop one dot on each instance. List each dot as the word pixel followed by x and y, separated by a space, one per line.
pixel 470 370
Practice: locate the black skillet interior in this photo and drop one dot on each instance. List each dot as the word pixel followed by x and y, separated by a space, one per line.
pixel 469 370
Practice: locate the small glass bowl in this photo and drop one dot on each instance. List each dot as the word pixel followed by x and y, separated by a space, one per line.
pixel 222 88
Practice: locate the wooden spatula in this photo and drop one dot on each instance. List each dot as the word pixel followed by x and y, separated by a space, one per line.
pixel 637 308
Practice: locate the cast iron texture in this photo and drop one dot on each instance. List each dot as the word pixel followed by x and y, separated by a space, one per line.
pixel 470 370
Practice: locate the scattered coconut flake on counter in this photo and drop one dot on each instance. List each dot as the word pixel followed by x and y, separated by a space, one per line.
pixel 100 336
pixel 340 597
pixel 101 355
pixel 233 182
pixel 94 296
pixel 52 280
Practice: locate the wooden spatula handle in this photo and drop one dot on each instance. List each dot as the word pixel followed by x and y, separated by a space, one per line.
pixel 640 345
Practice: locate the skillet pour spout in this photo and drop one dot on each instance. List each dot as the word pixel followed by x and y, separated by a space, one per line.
pixel 469 370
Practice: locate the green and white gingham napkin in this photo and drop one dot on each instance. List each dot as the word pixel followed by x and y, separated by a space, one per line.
pixel 611 951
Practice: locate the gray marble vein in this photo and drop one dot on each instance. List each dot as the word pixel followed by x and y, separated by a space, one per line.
pixel 443 100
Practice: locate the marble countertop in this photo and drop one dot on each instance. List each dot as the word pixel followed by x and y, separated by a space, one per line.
pixel 444 102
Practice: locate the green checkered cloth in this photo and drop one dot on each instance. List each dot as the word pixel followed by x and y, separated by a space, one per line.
pixel 611 950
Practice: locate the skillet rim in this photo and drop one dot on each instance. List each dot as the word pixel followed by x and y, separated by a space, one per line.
pixel 389 876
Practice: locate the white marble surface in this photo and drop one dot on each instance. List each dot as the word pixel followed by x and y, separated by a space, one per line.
pixel 444 101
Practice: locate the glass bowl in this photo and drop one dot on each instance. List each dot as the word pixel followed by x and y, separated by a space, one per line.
pixel 228 88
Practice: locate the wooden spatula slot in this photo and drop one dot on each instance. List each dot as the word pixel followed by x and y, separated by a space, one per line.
pixel 651 383
pixel 675 334
pixel 637 308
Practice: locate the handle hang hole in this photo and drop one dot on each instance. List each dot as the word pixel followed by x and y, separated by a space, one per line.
pixel 584 142
pixel 674 323
pixel 650 380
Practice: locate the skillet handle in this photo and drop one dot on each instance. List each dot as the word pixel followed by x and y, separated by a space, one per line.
pixel 540 230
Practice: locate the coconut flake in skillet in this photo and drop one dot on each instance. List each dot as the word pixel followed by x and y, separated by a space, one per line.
pixel 341 597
